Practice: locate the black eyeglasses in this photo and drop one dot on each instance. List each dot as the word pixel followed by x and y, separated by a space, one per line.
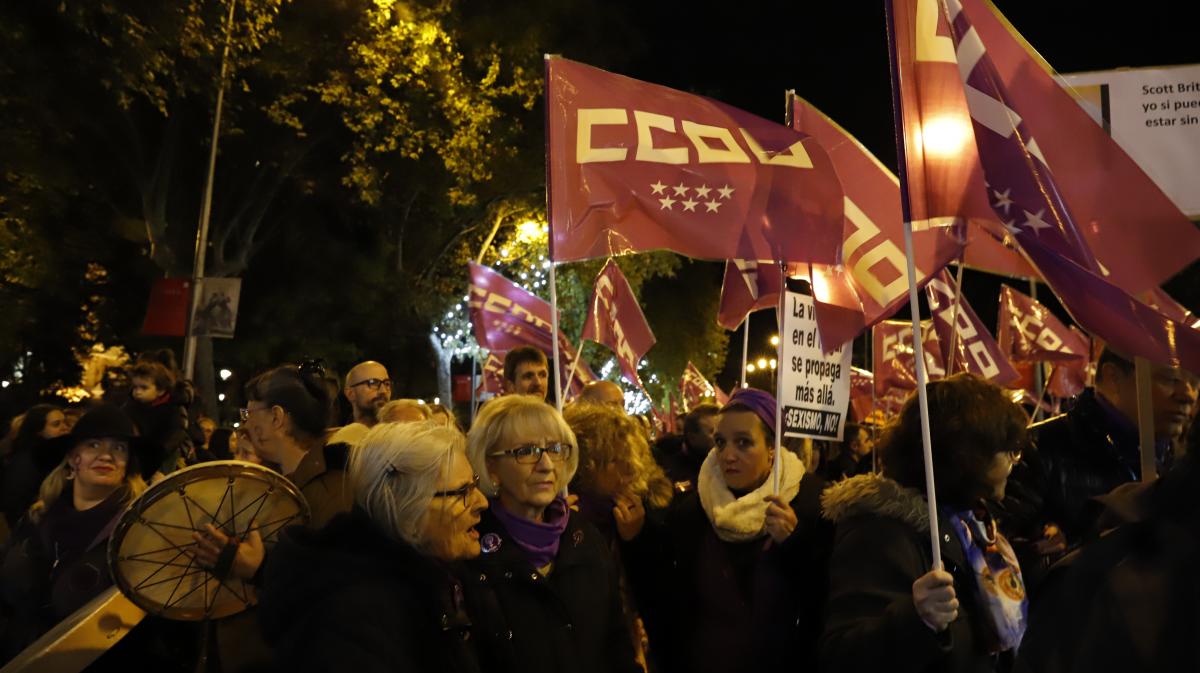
pixel 531 455
pixel 463 493
pixel 373 384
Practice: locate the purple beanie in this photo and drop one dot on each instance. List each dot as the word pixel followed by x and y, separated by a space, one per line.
pixel 758 401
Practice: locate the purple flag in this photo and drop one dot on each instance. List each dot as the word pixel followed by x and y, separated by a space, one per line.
pixel 616 320
pixel 975 348
pixel 1024 192
pixel 507 316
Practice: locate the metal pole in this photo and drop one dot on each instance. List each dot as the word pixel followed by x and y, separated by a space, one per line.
pixel 745 345
pixel 776 469
pixel 914 306
pixel 953 351
pixel 554 336
pixel 189 344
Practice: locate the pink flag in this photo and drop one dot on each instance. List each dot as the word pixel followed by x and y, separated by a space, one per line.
pixel 748 286
pixel 974 346
pixel 872 284
pixel 506 316
pixel 616 320
pixel 862 393
pixel 893 356
pixel 1029 332
pixel 636 166
pixel 492 380
pixel 1019 129
pixel 693 387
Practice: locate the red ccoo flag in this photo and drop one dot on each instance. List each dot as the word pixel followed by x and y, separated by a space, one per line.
pixel 1029 332
pixel 975 349
pixel 1029 148
pixel 616 320
pixel 635 166
pixel 749 285
pixel 693 387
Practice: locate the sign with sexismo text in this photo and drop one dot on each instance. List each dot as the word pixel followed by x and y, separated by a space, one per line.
pixel 815 385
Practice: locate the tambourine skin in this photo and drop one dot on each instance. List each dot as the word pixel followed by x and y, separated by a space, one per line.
pixel 151 551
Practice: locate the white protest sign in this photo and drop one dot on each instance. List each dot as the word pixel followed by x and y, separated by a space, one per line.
pixel 816 386
pixel 1154 115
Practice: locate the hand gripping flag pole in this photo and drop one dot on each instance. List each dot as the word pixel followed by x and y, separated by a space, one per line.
pixel 914 305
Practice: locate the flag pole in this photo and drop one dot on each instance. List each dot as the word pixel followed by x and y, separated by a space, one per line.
pixel 574 366
pixel 558 398
pixel 745 345
pixel 958 280
pixel 1145 412
pixel 913 300
pixel 776 465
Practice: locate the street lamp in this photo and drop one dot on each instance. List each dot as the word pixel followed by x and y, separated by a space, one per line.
pixel 762 363
pixel 775 340
pixel 750 368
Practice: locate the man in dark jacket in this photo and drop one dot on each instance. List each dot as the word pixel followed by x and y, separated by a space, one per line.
pixel 681 455
pixel 1087 452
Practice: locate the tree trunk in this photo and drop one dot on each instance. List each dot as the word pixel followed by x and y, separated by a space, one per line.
pixel 443 370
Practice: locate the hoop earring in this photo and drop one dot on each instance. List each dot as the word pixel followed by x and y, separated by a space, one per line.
pixel 70 473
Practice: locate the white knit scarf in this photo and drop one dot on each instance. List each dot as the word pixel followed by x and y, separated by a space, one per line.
pixel 741 519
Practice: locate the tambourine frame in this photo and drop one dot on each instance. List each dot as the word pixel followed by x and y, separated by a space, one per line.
pixel 226 516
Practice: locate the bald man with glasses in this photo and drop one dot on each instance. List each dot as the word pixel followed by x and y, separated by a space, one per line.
pixel 368 388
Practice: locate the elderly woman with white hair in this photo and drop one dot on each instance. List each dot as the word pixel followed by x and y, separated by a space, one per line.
pixel 373 590
pixel 547 585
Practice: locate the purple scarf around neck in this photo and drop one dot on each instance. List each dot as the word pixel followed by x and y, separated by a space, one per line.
pixel 538 540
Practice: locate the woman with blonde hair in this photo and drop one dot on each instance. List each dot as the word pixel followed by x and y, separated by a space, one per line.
pixel 617 474
pixel 373 591
pixel 545 569
pixel 57 560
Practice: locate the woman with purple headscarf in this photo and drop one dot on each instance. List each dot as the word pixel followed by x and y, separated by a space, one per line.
pixel 735 579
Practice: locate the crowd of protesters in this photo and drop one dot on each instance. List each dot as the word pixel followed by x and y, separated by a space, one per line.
pixel 590 541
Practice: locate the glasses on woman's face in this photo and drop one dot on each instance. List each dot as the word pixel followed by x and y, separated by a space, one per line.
pixel 1014 455
pixel 244 413
pixel 532 455
pixel 463 493
pixel 373 384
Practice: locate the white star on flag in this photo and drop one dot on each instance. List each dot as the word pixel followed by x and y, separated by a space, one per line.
pixel 726 191
pixel 680 190
pixel 712 206
pixel 1002 200
pixel 658 187
pixel 689 205
pixel 667 202
pixel 703 190
pixel 1035 222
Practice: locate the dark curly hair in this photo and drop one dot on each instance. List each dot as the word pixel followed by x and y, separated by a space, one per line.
pixel 970 421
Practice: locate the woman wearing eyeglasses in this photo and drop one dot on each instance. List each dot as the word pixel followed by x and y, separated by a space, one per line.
pixel 544 588
pixel 373 590
pixel 888 606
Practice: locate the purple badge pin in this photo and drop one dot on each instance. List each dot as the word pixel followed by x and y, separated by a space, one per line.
pixel 489 543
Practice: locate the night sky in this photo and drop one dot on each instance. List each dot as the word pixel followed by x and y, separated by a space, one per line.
pixel 835 55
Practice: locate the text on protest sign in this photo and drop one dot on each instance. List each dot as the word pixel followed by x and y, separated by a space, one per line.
pixel 816 386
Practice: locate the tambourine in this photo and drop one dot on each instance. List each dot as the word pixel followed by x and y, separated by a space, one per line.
pixel 151 551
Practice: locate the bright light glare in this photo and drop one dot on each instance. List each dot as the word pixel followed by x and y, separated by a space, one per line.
pixel 221 397
pixel 750 368
pixel 530 231
pixel 225 374
pixel 944 136
pixel 762 363
pixel 775 340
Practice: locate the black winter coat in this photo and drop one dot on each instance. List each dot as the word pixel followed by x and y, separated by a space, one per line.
pixel 348 598
pixel 881 546
pixel 1075 457
pixel 568 621
pixel 710 605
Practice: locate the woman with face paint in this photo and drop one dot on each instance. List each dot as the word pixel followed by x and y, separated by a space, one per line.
pixel 57 561
pixel 734 580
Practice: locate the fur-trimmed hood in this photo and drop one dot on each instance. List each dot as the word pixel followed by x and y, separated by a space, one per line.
pixel 874 494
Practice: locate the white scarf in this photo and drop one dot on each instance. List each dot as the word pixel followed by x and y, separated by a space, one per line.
pixel 741 519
